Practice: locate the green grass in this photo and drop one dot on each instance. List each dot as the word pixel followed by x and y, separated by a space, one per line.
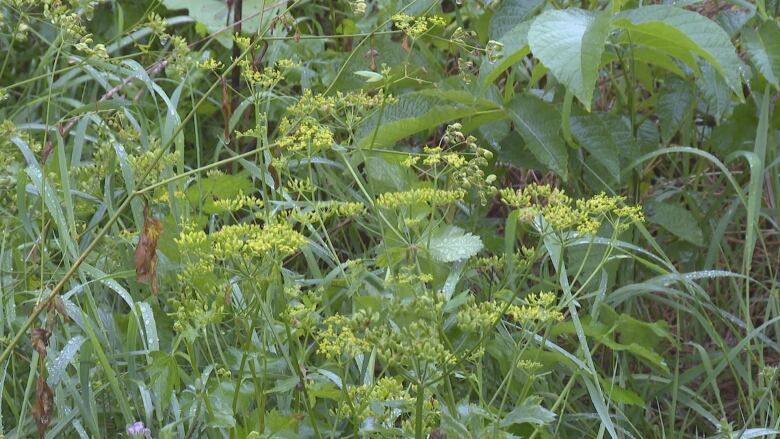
pixel 346 223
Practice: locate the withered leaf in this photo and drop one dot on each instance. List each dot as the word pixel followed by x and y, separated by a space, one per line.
pixel 59 306
pixel 146 251
pixel 40 339
pixel 43 406
pixel 405 44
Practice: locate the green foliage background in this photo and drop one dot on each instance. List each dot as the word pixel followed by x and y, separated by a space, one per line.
pixel 343 221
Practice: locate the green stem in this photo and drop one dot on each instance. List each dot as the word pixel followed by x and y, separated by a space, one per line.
pixel 418 417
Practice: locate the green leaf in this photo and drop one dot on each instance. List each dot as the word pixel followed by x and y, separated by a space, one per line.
pixel 213 14
pixel 369 75
pixel 509 13
pixel 763 46
pixel 675 106
pixel 603 135
pixel 682 33
pixel 415 112
pixel 570 43
pixel 451 243
pixel 676 220
pixel 529 411
pixel 538 123
pixel 641 352
pixel 386 174
pixel 715 94
pixel 621 395
pixel 731 135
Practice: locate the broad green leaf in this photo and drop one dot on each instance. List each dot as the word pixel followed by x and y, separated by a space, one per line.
pixel 515 43
pixel 675 106
pixel 570 43
pixel 649 55
pixel 603 135
pixel 213 14
pixel 763 46
pixel 715 93
pixel 415 112
pixel 631 330
pixel 676 220
pixel 647 137
pixel 509 14
pixel 682 33
pixel 621 395
pixel 538 123
pixel 529 411
pixel 641 352
pixel 451 243
pixel 731 134
pixel 369 75
pixel 386 175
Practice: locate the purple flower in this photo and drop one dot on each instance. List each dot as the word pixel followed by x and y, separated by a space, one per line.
pixel 138 430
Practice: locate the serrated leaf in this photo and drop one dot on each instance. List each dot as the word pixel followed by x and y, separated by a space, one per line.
pixel 682 33
pixel 715 93
pixel 676 220
pixel 570 43
pixel 538 124
pixel 529 411
pixel 603 135
pixel 509 14
pixel 675 106
pixel 451 243
pixel 763 46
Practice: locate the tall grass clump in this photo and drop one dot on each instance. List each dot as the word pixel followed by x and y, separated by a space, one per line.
pixel 389 218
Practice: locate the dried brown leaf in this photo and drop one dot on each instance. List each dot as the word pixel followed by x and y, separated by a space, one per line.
pixel 43 406
pixel 405 44
pixel 146 251
pixel 40 339
pixel 59 306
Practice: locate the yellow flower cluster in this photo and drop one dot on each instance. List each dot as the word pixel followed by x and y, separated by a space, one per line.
pixel 370 400
pixel 141 163
pixel 478 316
pixel 307 134
pixel 417 26
pixel 360 100
pixel 434 197
pixel 210 64
pixel 563 213
pixel 434 156
pixel 244 239
pixel 528 365
pixel 269 77
pixel 538 308
pixel 339 339
pixel 408 276
pixel 326 210
pixel 238 202
pixel 393 344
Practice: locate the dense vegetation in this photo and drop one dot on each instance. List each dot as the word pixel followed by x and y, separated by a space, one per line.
pixel 389 218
